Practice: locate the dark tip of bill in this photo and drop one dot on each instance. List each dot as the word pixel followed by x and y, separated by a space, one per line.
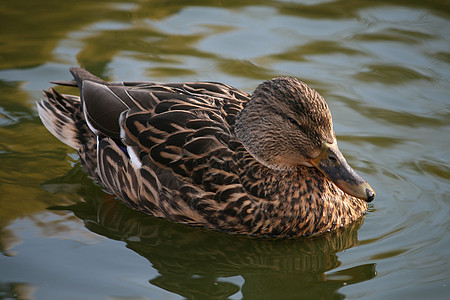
pixel 370 195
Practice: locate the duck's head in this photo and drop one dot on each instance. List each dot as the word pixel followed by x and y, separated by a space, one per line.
pixel 287 124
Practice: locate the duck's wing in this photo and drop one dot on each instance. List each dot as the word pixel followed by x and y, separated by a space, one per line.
pixel 179 130
pixel 182 131
pixel 104 102
pixel 182 126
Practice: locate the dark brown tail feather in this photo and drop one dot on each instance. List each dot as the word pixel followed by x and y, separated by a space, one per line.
pixel 80 74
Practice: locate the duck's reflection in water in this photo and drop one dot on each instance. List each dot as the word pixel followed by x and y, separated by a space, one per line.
pixel 196 263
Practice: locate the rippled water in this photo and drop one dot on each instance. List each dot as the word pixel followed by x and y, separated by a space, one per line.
pixel 382 66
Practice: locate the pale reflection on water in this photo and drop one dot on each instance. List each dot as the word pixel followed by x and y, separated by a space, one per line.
pixel 383 69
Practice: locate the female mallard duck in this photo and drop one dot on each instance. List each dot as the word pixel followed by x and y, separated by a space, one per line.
pixel 210 155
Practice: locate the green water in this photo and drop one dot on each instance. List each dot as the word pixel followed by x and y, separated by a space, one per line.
pixel 382 66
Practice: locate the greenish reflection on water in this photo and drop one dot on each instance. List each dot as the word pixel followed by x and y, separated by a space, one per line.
pixel 383 67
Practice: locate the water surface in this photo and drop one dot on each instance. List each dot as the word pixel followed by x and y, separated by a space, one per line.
pixel 382 66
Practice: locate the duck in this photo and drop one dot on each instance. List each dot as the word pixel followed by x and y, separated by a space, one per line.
pixel 206 154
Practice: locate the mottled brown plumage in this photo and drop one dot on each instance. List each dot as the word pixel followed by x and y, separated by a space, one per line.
pixel 210 155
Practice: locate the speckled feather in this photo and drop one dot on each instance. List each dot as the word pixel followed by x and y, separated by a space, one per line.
pixel 191 167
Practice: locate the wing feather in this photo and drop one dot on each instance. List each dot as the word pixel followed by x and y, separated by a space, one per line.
pixel 137 186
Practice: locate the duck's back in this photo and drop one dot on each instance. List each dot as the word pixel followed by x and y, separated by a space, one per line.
pixel 164 149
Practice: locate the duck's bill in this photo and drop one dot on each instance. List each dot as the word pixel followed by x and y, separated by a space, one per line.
pixel 332 163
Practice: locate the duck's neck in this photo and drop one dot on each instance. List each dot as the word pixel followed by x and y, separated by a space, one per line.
pixel 300 202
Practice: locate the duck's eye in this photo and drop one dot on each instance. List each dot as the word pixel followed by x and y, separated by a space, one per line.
pixel 293 121
pixel 297 124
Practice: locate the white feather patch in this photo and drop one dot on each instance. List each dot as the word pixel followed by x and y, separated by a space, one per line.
pixel 134 157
